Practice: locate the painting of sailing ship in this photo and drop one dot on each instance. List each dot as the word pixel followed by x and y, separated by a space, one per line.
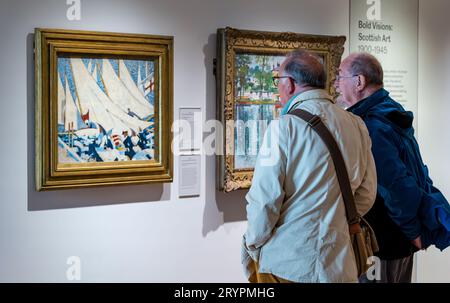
pixel 256 104
pixel 105 110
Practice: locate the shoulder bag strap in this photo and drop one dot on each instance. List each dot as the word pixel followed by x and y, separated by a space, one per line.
pixel 320 128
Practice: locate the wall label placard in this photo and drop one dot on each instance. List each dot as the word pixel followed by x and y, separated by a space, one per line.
pixel 191 124
pixel 388 29
pixel 190 174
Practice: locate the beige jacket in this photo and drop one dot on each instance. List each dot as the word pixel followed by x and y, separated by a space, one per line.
pixel 297 228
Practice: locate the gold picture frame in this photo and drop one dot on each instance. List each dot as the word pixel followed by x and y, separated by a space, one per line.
pixel 245 61
pixel 104 108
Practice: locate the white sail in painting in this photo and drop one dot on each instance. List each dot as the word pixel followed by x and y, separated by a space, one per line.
pixel 139 81
pixel 71 112
pixel 94 73
pixel 119 90
pixel 102 109
pixel 89 68
pixel 132 87
pixel 61 101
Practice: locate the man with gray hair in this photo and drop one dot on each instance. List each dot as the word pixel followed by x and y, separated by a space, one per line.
pixel 297 226
pixel 405 190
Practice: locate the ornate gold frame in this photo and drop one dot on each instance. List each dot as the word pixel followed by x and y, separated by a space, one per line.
pixel 231 41
pixel 49 43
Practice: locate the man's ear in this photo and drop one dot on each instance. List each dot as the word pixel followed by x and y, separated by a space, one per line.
pixel 291 86
pixel 361 83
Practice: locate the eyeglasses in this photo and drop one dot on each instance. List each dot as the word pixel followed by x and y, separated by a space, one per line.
pixel 276 79
pixel 339 77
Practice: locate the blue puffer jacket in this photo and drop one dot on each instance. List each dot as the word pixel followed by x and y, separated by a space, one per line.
pixel 404 186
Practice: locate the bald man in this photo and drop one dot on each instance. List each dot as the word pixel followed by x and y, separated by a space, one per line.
pixel 401 174
pixel 297 228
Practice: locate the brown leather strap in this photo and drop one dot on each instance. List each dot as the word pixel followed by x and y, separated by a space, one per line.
pixel 320 128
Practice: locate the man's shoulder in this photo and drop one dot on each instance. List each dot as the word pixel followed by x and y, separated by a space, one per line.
pixel 376 116
pixel 377 125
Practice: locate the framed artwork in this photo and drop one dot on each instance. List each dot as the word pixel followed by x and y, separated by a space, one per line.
pixel 247 100
pixel 103 108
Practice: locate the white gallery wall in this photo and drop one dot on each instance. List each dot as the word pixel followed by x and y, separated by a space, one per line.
pixel 145 233
pixel 434 122
pixel 129 233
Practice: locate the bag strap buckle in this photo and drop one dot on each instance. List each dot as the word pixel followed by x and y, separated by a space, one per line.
pixel 355 220
pixel 314 121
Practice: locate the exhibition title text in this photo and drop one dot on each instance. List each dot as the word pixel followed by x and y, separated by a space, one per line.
pixel 377 26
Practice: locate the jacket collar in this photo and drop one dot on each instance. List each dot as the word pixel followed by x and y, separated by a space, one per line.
pixel 305 96
pixel 362 107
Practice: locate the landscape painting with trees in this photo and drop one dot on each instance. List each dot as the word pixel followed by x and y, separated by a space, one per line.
pixel 247 100
pixel 257 103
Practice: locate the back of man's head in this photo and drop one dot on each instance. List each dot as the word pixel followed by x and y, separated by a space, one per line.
pixel 367 65
pixel 305 68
